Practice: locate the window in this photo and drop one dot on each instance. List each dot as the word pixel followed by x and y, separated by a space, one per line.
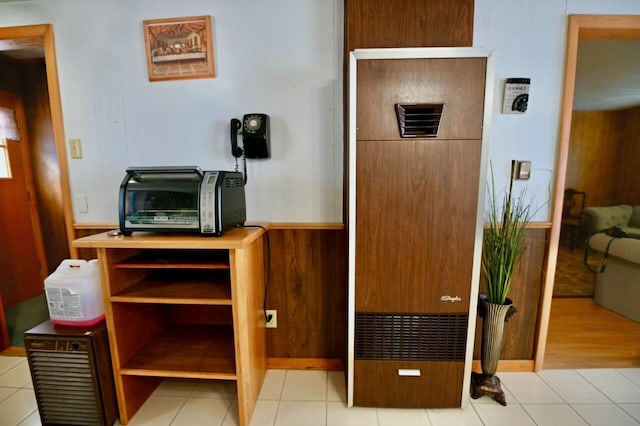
pixel 8 130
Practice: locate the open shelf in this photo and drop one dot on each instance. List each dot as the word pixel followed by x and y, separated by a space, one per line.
pixel 186 351
pixel 178 259
pixel 185 287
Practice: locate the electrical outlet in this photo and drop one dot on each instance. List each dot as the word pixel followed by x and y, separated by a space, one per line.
pixel 272 314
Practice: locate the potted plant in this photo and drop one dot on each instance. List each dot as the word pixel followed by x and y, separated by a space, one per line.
pixel 506 220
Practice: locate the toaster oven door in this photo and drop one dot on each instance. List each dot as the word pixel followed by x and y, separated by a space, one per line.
pixel 160 201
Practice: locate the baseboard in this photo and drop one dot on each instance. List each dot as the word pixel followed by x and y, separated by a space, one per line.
pixel 508 365
pixel 328 364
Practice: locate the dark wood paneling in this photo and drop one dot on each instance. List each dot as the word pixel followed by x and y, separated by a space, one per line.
pixel 602 153
pixel 46 171
pixel 415 222
pixel 525 292
pixel 413 23
pixel 457 83
pixel 377 384
pixel 307 286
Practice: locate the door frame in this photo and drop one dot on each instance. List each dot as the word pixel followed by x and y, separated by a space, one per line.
pixel 580 27
pixel 44 32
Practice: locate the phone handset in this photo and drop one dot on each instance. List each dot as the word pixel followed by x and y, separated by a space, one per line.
pixel 236 125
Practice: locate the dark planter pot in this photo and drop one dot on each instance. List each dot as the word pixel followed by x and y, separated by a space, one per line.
pixel 494 316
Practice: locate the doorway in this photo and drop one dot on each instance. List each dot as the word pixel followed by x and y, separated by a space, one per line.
pixel 581 27
pixel 37 83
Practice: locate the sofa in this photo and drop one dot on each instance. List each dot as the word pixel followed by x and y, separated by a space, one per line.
pixel 618 285
pixel 624 216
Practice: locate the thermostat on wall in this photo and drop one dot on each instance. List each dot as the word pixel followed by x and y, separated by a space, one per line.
pixel 516 95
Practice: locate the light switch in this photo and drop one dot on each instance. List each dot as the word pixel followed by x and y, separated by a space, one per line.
pixel 83 204
pixel 76 148
pixel 523 171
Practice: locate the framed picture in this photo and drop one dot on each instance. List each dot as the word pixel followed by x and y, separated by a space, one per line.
pixel 179 48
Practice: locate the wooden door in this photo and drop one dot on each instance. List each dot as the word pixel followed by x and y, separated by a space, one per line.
pixel 22 259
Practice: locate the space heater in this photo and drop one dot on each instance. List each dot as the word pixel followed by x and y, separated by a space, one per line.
pixel 72 374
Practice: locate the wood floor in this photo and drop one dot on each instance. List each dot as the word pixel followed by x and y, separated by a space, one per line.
pixel 583 334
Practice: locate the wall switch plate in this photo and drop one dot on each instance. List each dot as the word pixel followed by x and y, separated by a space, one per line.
pixel 523 170
pixel 75 146
pixel 272 314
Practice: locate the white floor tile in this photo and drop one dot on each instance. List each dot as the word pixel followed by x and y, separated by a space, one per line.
pixel 302 385
pixel 336 387
pixel 7 392
pixel 175 387
pixel 17 407
pixel 404 417
pixel 265 413
pixel 497 415
pixel 17 377
pixel 604 415
pixel 32 420
pixel 201 412
pixel 632 374
pixel 572 387
pixel 632 409
pixel 297 413
pixel 338 414
pixel 466 416
pixel 613 384
pixel 272 385
pixel 8 362
pixel 214 389
pixel 553 415
pixel 157 411
pixel 232 419
pixel 529 388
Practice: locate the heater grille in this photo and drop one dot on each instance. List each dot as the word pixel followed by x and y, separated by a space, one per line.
pixel 419 120
pixel 71 375
pixel 410 337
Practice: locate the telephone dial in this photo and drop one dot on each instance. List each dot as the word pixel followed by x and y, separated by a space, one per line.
pixel 254 129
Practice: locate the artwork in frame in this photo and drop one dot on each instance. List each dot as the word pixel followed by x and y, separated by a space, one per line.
pixel 179 48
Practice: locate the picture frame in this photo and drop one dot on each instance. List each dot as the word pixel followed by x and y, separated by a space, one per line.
pixel 179 48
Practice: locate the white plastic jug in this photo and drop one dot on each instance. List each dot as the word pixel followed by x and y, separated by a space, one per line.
pixel 74 296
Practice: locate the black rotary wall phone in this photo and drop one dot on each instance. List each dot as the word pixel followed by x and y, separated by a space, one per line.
pixel 254 129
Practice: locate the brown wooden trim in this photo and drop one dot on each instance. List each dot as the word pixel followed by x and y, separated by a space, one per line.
pixel 14 351
pixel 328 364
pixel 507 365
pixel 98 225
pixel 579 27
pixel 301 225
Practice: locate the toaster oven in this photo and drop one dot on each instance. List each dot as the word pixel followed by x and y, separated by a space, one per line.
pixel 181 199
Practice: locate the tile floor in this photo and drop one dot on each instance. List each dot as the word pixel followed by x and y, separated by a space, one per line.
pixel 608 397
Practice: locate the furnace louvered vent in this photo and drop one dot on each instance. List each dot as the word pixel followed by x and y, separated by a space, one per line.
pixel 410 337
pixel 419 120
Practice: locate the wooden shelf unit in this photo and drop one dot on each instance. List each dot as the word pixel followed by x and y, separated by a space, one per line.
pixel 183 306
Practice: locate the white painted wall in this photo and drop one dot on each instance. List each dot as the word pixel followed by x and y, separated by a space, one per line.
pixel 283 58
pixel 280 57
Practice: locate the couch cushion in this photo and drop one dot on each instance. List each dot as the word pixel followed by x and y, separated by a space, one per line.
pixel 634 222
pixel 601 218
pixel 624 248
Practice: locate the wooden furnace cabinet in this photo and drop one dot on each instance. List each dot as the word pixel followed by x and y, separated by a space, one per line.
pixel 417 166
pixel 183 306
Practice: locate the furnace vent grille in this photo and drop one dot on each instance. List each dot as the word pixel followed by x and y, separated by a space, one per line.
pixel 419 120
pixel 416 337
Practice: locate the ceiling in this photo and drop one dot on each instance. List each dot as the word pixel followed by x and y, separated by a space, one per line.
pixel 22 49
pixel 607 77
